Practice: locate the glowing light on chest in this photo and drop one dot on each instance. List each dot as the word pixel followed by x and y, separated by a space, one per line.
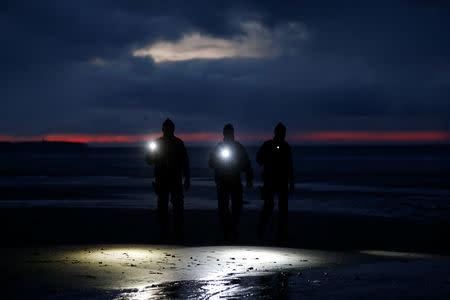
pixel 225 153
pixel 152 146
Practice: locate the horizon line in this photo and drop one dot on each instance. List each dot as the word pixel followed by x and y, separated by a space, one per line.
pixel 202 137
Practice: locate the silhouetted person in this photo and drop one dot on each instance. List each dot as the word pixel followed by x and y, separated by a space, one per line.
pixel 170 158
pixel 276 157
pixel 228 159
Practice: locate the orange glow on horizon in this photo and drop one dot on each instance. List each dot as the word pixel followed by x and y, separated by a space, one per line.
pixel 323 136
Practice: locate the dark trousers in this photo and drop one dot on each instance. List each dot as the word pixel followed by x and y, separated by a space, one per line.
pixel 268 193
pixel 177 200
pixel 229 220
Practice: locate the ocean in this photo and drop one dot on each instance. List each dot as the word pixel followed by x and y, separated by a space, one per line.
pixel 400 181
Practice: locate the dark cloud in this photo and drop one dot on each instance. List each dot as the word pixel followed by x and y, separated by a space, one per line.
pixel 67 66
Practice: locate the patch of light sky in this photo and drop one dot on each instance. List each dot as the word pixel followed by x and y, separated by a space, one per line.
pixel 256 42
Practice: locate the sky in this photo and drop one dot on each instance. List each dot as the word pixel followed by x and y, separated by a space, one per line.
pixel 331 71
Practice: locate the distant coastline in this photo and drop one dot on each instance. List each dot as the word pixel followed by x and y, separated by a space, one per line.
pixel 44 146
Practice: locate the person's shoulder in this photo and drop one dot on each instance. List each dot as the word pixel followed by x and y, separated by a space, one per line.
pixel 217 146
pixel 177 140
pixel 267 143
pixel 286 145
pixel 239 145
pixel 240 148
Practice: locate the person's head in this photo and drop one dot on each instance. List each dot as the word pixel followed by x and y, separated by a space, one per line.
pixel 228 132
pixel 168 127
pixel 280 131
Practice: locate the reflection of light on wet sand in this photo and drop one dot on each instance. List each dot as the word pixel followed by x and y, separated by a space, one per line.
pixel 118 254
pixel 395 254
pixel 163 272
pixel 142 272
pixel 200 263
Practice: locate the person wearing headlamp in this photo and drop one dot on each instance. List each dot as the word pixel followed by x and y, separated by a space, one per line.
pixel 171 161
pixel 229 159
pixel 276 157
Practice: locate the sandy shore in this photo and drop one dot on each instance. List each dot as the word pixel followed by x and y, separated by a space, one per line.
pixel 62 253
pixel 127 271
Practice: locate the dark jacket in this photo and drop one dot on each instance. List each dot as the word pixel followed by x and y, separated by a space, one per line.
pixel 170 159
pixel 228 171
pixel 276 157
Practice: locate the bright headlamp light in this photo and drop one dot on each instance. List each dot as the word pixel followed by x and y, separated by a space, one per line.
pixel 152 146
pixel 225 153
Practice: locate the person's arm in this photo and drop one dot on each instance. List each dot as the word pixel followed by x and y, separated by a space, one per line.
pixel 186 169
pixel 212 162
pixel 260 156
pixel 149 158
pixel 247 168
pixel 290 170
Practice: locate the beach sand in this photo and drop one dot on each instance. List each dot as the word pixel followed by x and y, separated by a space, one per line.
pixel 66 253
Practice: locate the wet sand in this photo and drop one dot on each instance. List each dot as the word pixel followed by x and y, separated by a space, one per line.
pixel 166 271
pixel 63 253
